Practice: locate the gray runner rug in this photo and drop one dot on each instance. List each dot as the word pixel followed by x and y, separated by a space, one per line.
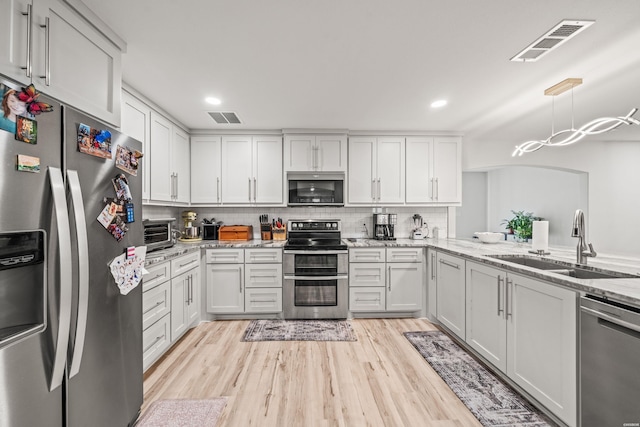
pixel 299 330
pixel 491 401
pixel 183 413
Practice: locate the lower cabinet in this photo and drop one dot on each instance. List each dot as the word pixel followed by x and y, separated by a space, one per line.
pixel 170 303
pixel 527 329
pixel 391 286
pixel 244 280
pixel 450 293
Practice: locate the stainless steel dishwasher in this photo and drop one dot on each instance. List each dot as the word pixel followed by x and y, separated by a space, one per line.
pixel 609 363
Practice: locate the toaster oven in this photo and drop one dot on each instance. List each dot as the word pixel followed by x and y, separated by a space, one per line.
pixel 158 233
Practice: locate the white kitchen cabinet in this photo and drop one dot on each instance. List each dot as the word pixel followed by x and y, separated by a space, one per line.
pixel 434 170
pixel 541 343
pixel 385 286
pixel 206 169
pixel 376 173
pixel 185 293
pixel 244 280
pixel 450 294
pixel 432 287
pixel 527 329
pixel 252 170
pixel 169 168
pixel 136 122
pixel 315 153
pixel 66 57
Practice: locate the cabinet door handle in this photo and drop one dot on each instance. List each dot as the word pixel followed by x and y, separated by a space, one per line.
pixel 255 188
pixel 47 54
pixel 389 277
pixel 433 266
pixel 218 188
pixel 240 277
pixel 373 189
pixel 450 264
pixel 187 289
pixel 432 192
pixel 314 158
pixel 437 190
pixel 29 15
pixel 249 188
pixel 379 189
pixel 177 186
pixel 500 280
pixel 509 298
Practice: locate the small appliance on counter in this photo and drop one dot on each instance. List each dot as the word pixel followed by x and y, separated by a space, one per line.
pixel 236 232
pixel 158 233
pixel 210 229
pixel 384 226
pixel 420 228
pixel 190 233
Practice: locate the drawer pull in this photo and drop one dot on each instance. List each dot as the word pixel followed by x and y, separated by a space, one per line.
pixel 154 307
pixel 367 300
pixel 263 300
pixel 450 264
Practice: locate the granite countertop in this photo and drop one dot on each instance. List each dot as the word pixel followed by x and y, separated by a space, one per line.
pixel 624 290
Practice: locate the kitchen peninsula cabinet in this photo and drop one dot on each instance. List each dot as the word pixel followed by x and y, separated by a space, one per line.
pixel 315 153
pixel 433 168
pixel 243 281
pixel 450 292
pixel 527 329
pixel 205 169
pixel 376 173
pixel 385 279
pixel 169 163
pixel 252 170
pixel 81 68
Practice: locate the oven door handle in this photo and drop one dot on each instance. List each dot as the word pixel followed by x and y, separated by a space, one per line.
pixel 312 252
pixel 310 278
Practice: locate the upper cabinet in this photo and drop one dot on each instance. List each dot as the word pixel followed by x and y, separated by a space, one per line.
pixel 205 169
pixel 252 170
pixel 434 174
pixel 47 43
pixel 169 162
pixel 315 153
pixel 376 170
pixel 136 122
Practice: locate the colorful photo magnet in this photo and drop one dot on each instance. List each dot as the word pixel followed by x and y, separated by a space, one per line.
pixel 128 159
pixel 94 142
pixel 12 107
pixel 26 130
pixel 28 163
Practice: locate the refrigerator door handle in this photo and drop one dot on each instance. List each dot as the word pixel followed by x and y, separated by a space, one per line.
pixel 64 277
pixel 83 270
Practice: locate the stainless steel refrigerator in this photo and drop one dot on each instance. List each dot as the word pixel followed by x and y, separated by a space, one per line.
pixel 70 342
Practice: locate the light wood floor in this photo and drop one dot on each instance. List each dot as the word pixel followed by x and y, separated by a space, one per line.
pixel 379 380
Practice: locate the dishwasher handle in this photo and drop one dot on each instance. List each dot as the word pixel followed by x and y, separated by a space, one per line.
pixel 622 324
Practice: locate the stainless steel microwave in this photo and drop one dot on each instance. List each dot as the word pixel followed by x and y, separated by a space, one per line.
pixel 315 189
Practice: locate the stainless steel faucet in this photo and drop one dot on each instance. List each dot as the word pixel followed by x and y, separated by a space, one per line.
pixel 583 250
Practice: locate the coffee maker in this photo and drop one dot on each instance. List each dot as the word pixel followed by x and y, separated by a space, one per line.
pixel 384 226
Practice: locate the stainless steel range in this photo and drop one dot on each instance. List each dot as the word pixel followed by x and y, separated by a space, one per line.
pixel 316 267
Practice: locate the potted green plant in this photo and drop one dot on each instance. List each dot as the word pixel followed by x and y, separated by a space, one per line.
pixel 521 224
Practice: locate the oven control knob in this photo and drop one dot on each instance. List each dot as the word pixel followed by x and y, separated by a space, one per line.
pixel 335 225
pixel 294 225
pixel 328 225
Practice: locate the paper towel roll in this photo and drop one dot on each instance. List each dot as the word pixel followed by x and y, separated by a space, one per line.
pixel 540 233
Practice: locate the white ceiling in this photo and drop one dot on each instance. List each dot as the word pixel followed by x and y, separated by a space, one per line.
pixel 378 64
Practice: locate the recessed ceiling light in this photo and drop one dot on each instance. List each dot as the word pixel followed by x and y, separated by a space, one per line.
pixel 439 103
pixel 213 101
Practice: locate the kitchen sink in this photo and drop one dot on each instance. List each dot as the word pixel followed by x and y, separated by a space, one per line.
pixel 566 268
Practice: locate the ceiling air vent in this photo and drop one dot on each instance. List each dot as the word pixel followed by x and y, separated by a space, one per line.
pixel 225 118
pixel 552 39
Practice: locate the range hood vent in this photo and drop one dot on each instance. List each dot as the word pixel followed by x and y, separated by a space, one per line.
pixel 553 38
pixel 225 118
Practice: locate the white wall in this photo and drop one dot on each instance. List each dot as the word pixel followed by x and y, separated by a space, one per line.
pixel 613 183
pixel 472 215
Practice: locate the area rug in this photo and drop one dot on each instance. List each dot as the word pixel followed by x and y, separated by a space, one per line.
pixel 183 413
pixel 491 401
pixel 299 330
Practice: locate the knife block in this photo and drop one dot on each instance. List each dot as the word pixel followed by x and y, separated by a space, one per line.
pixel 266 232
pixel 280 233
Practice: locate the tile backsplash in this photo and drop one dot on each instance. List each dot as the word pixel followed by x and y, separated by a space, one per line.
pixel 352 218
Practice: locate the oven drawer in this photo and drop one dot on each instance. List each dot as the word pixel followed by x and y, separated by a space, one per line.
pixel 366 255
pixel 404 255
pixel 263 275
pixel 263 300
pixel 225 256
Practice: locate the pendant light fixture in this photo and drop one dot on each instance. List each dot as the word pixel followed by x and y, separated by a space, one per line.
pixel 573 135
